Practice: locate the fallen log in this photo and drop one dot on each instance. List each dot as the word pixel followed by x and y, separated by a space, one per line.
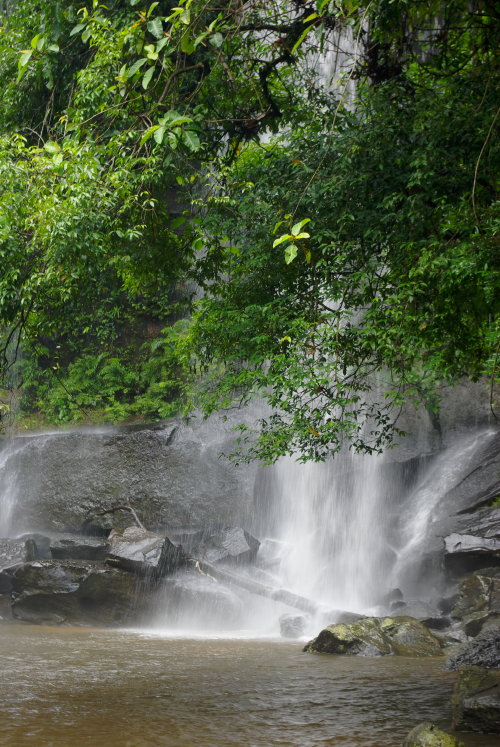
pixel 216 573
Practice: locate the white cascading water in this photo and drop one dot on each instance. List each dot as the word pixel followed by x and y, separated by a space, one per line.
pixel 331 525
pixel 348 531
pixel 8 484
pixel 342 533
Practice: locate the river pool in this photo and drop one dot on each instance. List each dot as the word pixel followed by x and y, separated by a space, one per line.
pixel 77 687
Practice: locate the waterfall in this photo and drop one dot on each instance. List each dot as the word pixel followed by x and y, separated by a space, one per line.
pixel 349 531
pixel 342 534
pixel 9 484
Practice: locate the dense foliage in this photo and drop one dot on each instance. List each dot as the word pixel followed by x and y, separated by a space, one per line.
pixel 344 243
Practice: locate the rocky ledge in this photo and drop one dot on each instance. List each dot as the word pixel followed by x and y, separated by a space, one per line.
pixel 80 580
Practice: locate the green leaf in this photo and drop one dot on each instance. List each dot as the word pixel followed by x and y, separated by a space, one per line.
pixel 284 237
pixel 76 29
pixel 297 227
pixel 178 222
pixel 302 236
pixel 155 27
pixel 54 48
pixel 187 45
pixel 135 67
pixel 162 43
pixel 216 40
pixel 147 77
pixel 191 139
pixel 151 8
pixel 35 40
pixel 290 253
pixel 159 134
pixel 52 147
pixel 149 133
pixel 24 58
pixel 301 38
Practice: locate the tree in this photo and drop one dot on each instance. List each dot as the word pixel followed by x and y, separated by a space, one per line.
pixel 383 258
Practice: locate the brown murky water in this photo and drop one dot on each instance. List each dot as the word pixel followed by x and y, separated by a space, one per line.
pixel 71 687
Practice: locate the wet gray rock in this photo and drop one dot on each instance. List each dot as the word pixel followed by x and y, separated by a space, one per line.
pixel 476 701
pixel 74 592
pixel 475 624
pixel 171 473
pixel 79 548
pixel 12 552
pixel 477 546
pixel 292 626
pixel 37 546
pixel 482 651
pixel 145 553
pixel 429 735
pixel 373 636
pixel 5 608
pixel 226 545
pixel 478 593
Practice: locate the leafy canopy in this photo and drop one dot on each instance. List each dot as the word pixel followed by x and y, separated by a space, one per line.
pixel 344 243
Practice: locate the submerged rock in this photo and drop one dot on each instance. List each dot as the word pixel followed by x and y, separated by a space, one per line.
pixel 292 626
pixel 373 636
pixel 428 735
pixel 146 553
pixel 65 591
pixel 483 651
pixel 476 700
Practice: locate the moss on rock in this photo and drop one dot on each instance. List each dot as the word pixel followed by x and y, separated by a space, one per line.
pixel 428 735
pixel 374 636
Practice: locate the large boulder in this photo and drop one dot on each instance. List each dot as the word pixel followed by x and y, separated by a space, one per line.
pixel 74 592
pixel 146 553
pixel 483 651
pixel 428 735
pixel 476 701
pixel 233 545
pixel 372 636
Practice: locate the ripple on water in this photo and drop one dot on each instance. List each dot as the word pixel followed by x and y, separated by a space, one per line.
pixel 82 688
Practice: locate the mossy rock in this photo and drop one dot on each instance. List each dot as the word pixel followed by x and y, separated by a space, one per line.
pixel 362 638
pixel 374 636
pixel 428 735
pixel 476 700
pixel 410 637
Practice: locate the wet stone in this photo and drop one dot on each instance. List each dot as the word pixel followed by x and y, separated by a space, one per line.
pixel 372 636
pixel 476 700
pixel 429 735
pixel 483 651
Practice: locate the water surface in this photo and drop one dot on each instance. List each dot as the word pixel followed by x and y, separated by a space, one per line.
pixel 76 687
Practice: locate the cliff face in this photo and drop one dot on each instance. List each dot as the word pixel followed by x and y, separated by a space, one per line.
pixel 172 475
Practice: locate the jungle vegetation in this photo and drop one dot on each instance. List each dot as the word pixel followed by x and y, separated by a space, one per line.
pixel 203 202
